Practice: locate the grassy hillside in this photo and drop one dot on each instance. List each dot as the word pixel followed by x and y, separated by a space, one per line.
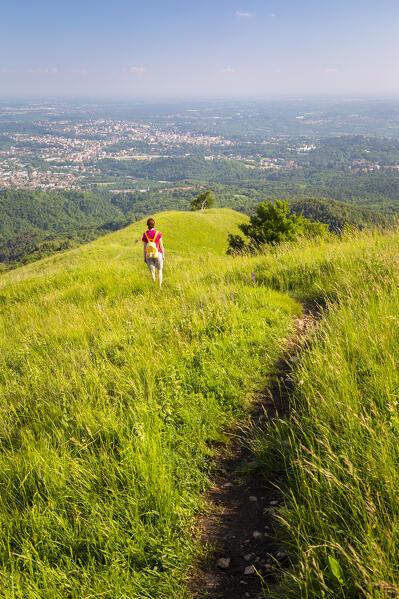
pixel 338 447
pixel 185 234
pixel 115 396
pixel 36 224
pixel 112 397
pixel 343 521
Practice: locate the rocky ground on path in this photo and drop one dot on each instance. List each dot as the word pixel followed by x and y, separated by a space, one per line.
pixel 240 522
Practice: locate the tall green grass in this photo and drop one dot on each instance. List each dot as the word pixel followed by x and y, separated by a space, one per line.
pixel 339 447
pixel 114 397
pixel 113 400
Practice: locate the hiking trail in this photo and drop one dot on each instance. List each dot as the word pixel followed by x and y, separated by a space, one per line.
pixel 239 523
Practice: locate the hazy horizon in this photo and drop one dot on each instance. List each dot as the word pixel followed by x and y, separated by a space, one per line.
pixel 186 98
pixel 255 49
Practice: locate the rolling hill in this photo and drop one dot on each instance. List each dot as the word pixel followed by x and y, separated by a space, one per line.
pixel 111 396
pixel 115 397
pixel 337 214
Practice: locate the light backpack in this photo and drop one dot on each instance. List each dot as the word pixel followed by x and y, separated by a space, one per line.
pixel 151 251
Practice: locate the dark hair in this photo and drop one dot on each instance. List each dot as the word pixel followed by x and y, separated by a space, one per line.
pixel 151 223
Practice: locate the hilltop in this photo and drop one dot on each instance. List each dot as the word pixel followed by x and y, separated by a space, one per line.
pixel 111 396
pixel 35 224
pixel 185 233
pixel 116 397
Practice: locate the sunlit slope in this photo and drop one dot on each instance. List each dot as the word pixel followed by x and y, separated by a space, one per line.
pixel 111 396
pixel 339 444
pixel 184 233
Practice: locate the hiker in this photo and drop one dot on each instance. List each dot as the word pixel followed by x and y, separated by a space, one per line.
pixel 154 254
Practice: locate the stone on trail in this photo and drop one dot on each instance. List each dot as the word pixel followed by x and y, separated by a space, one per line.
pixel 249 570
pixel 257 534
pixel 253 498
pixel 224 562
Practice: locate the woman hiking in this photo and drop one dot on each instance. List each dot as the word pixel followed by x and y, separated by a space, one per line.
pixel 154 254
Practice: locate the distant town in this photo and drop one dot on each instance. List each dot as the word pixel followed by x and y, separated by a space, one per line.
pixel 67 152
pixel 59 152
pixel 61 146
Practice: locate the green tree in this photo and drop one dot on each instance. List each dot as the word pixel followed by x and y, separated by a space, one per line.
pixel 203 201
pixel 273 223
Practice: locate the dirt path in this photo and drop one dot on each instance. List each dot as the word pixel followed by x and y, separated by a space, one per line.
pixel 240 522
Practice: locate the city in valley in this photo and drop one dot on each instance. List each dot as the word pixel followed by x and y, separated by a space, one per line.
pixel 64 154
pixel 122 147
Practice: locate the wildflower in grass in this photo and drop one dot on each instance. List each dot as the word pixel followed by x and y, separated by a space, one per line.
pixel 253 277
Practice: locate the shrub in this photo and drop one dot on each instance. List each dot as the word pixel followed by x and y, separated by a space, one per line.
pixel 273 223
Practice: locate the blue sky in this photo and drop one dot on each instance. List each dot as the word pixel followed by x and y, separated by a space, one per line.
pixel 179 48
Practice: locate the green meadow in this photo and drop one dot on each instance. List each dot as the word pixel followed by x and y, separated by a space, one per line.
pixel 115 397
pixel 338 447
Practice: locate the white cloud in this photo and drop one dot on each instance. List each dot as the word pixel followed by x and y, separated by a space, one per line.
pixel 244 15
pixel 276 70
pixel 330 70
pixel 133 69
pixel 6 70
pixel 227 70
pixel 45 70
pixel 272 14
pixel 79 71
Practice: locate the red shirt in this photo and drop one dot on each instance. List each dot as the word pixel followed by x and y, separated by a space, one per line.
pixel 151 235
